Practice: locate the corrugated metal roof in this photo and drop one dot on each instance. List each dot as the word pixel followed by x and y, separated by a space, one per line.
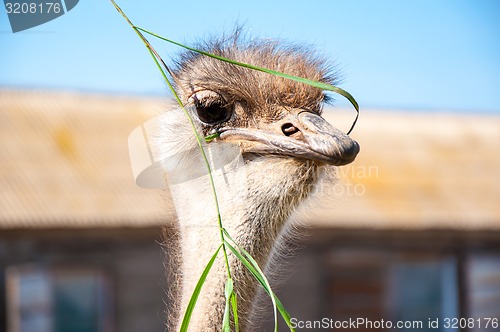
pixel 419 170
pixel 64 163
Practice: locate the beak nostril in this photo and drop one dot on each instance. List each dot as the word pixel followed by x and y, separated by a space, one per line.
pixel 289 129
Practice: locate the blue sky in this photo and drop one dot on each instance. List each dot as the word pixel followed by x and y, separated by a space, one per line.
pixel 426 54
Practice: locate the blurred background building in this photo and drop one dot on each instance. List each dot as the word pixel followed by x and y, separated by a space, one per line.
pixel 411 232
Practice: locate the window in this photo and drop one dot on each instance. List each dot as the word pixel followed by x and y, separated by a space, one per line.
pixel 399 286
pixel 58 300
pixel 423 290
pixel 483 284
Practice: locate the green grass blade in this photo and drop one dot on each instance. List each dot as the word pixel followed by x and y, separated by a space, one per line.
pixel 234 306
pixel 252 265
pixel 276 302
pixel 316 84
pixel 255 270
pixel 279 305
pixel 261 278
pixel 157 59
pixel 196 292
pixel 228 292
pixel 210 138
pixel 231 303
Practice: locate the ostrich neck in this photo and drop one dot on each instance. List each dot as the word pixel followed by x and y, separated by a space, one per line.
pixel 254 209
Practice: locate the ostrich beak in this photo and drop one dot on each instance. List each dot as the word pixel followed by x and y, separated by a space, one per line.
pixel 301 134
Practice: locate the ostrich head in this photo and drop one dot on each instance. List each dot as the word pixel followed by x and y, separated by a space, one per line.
pixel 267 116
pixel 284 141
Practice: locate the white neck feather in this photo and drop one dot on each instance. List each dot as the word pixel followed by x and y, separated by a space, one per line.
pixel 255 198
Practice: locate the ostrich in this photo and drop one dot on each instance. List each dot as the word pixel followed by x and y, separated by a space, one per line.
pixel 285 147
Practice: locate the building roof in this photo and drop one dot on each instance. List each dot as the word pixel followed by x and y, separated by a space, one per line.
pixel 420 170
pixel 64 163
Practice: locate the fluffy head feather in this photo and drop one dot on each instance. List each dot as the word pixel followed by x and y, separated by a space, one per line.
pixel 256 90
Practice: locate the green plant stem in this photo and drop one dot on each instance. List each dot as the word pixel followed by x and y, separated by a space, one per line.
pixel 157 57
pixel 320 85
pixel 196 292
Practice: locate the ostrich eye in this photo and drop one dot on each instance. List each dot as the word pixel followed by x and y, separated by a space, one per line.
pixel 211 107
pixel 213 112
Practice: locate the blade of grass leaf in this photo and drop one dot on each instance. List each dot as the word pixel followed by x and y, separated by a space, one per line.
pixel 210 138
pixel 198 138
pixel 145 41
pixel 277 302
pixel 255 273
pixel 261 278
pixel 196 292
pixel 228 292
pixel 156 57
pixel 234 305
pixel 320 85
